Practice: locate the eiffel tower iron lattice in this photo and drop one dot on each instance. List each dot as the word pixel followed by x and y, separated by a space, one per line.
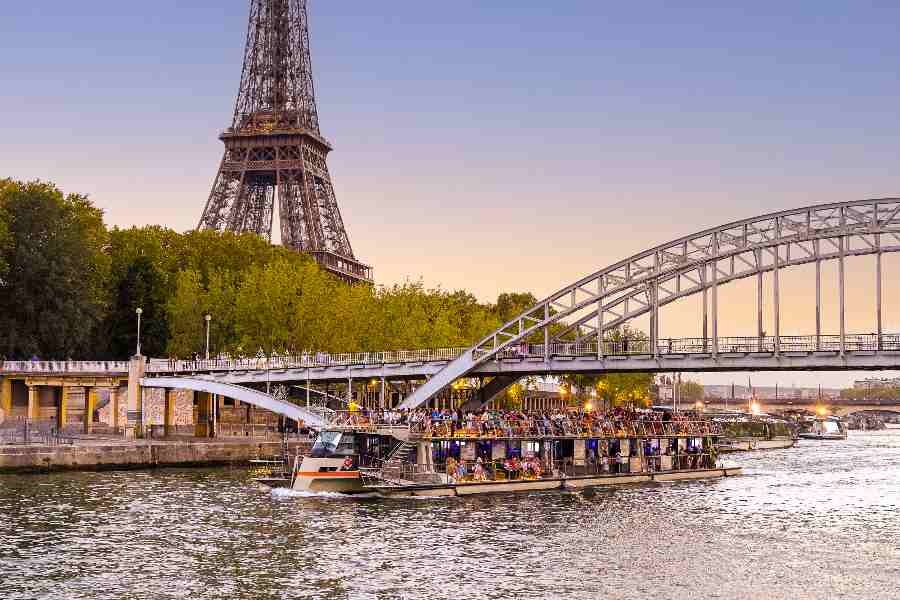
pixel 275 151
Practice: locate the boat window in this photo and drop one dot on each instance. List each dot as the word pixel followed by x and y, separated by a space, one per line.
pixel 830 427
pixel 326 444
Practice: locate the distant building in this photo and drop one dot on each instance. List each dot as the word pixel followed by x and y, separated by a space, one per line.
pixel 875 382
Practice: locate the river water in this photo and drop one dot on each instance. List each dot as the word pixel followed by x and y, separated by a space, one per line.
pixel 818 521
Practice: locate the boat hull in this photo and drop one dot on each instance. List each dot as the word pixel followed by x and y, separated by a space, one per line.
pixel 499 487
pixel 825 436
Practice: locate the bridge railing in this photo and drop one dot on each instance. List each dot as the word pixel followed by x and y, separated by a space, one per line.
pixel 867 342
pixel 315 360
pixel 726 345
pixel 63 366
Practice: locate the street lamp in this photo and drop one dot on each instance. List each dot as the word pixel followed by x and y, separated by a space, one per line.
pixel 139 312
pixel 208 319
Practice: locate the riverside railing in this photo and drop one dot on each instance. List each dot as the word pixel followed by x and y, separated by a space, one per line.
pixel 28 431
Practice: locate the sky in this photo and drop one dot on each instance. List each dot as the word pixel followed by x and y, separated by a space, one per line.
pixel 488 146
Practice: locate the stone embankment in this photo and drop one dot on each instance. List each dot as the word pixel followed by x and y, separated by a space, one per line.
pixel 137 454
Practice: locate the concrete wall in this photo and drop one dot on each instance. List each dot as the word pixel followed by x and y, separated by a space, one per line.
pixel 137 455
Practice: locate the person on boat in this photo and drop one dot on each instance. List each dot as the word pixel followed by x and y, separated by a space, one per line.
pixel 478 471
pixel 460 471
pixel 451 468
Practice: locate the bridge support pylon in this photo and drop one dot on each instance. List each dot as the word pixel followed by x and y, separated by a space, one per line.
pixel 136 368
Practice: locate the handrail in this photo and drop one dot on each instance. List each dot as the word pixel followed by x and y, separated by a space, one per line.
pixel 866 342
pixel 63 366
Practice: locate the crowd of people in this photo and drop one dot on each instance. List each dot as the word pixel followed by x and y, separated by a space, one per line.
pixel 618 422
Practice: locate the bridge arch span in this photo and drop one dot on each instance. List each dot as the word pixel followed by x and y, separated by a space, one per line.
pixel 694 264
pixel 238 392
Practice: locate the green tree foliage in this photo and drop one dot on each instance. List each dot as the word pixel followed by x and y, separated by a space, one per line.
pixel 613 389
pixel 53 297
pixel 691 391
pixel 511 305
pixel 71 289
pixel 872 392
pixel 142 286
pixel 5 236
pixel 619 389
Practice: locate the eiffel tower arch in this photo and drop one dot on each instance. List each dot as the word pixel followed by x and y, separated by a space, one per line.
pixel 275 161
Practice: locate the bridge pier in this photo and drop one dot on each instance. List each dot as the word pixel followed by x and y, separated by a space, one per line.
pixel 136 368
pixel 6 397
pixel 34 408
pixel 203 421
pixel 90 403
pixel 62 411
pixel 169 411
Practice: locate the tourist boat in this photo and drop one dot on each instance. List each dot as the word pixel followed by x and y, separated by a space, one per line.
pixel 743 432
pixel 359 454
pixel 823 428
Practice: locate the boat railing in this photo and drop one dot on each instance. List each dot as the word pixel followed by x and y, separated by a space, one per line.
pixel 503 470
pixel 495 428
pixel 418 426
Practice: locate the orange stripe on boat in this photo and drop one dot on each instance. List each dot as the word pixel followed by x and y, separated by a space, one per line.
pixel 329 473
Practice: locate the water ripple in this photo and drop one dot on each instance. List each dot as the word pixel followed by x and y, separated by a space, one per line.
pixel 818 521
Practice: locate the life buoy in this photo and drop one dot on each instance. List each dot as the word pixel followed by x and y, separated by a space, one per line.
pixel 348 462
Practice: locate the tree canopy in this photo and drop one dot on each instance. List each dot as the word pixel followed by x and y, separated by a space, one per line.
pixel 52 297
pixel 71 287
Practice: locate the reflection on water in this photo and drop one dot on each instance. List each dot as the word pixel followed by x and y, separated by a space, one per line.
pixel 818 521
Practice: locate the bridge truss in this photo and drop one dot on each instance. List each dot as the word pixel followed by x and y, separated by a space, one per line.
pixel 587 310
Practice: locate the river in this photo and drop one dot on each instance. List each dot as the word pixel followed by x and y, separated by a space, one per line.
pixel 818 521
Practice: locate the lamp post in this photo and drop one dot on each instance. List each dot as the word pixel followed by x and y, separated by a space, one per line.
pixel 208 319
pixel 139 312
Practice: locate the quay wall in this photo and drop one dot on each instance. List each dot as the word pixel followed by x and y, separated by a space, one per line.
pixel 137 455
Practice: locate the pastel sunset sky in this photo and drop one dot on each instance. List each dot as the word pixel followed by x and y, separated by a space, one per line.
pixel 491 146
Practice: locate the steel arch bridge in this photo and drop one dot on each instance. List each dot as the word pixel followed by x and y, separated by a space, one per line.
pixel 587 310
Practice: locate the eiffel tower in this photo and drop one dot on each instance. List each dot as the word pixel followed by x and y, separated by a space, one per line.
pixel 274 150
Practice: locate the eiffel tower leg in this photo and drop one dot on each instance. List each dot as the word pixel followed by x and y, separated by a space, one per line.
pixel 222 198
pixel 333 224
pixel 293 229
pixel 255 203
pixel 315 236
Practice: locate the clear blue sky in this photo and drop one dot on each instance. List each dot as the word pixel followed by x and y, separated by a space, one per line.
pixel 482 145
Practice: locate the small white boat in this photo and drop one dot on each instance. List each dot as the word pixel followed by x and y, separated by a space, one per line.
pixel 824 428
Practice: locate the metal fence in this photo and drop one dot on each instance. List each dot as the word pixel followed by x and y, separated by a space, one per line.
pixel 868 342
pixel 25 431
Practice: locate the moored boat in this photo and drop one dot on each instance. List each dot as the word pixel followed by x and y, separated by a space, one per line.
pixel 823 428
pixel 425 453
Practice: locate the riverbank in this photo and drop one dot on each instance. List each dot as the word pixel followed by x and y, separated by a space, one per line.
pixel 98 455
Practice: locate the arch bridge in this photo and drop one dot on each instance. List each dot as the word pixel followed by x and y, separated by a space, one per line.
pixel 585 311
pixel 574 329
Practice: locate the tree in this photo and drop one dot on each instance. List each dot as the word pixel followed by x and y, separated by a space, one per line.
pixel 53 297
pixel 512 304
pixel 620 389
pixel 691 392
pixel 142 286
